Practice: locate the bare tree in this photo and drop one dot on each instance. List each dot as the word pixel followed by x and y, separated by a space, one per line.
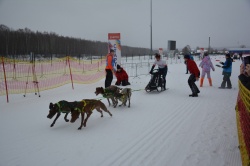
pixel 186 50
pixel 24 41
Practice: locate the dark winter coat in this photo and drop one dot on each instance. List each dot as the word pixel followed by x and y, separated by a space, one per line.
pixel 121 76
pixel 227 66
pixel 192 67
pixel 245 80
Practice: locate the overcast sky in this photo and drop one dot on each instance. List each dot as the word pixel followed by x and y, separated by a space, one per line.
pixel 189 22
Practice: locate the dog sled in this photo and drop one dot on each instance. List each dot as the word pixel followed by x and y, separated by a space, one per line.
pixel 156 82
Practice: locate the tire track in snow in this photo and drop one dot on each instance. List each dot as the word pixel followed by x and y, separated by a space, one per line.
pixel 130 154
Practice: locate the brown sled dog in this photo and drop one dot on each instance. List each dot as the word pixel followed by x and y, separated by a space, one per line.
pixel 60 107
pixel 87 106
pixel 108 93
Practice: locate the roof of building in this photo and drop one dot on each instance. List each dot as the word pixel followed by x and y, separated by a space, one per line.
pixel 239 50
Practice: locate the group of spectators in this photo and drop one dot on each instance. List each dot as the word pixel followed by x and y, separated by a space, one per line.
pixel 206 65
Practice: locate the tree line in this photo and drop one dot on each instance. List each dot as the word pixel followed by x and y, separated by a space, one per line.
pixel 25 41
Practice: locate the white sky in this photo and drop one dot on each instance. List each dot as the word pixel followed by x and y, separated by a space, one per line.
pixel 191 22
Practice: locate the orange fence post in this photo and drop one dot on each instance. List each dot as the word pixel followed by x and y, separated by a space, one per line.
pixel 70 74
pixel 6 86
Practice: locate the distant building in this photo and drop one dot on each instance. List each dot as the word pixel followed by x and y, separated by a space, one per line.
pixel 244 51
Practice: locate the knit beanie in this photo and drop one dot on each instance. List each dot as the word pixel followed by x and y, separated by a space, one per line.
pixel 118 67
pixel 186 57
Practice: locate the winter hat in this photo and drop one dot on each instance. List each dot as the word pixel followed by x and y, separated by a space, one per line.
pixel 118 67
pixel 186 56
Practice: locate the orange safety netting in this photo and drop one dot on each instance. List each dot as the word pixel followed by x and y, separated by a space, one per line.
pixel 18 76
pixel 243 123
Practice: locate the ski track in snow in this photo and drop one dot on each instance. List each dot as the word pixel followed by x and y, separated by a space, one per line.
pixel 153 141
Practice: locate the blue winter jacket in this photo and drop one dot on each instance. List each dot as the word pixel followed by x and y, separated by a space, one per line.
pixel 227 66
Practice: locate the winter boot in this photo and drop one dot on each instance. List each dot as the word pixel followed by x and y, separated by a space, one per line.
pixel 210 81
pixel 201 82
pixel 193 95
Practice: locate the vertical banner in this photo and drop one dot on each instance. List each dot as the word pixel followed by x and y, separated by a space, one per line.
pixel 114 43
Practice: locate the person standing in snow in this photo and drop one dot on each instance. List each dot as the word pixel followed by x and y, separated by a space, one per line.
pixel 206 64
pixel 122 76
pixel 109 68
pixel 227 70
pixel 195 74
pixel 163 68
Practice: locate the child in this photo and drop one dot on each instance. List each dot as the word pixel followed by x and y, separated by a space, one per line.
pixel 206 64
pixel 122 76
pixel 227 70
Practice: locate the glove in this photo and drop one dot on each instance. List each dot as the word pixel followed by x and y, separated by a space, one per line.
pixel 218 65
pixel 222 63
pixel 152 68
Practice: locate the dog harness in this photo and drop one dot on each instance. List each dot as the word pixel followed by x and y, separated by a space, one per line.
pixel 63 103
pixel 108 93
pixel 84 104
pixel 123 98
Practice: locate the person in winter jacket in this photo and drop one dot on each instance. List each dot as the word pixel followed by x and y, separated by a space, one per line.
pixel 163 68
pixel 192 58
pixel 206 64
pixel 109 68
pixel 244 76
pixel 195 74
pixel 122 76
pixel 227 70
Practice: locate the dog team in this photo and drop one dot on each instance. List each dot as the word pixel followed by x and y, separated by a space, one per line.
pixel 86 106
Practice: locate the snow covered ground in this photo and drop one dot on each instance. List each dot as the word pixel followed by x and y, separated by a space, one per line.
pixel 160 129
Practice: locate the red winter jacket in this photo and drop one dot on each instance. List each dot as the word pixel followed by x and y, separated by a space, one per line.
pixel 121 76
pixel 192 67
